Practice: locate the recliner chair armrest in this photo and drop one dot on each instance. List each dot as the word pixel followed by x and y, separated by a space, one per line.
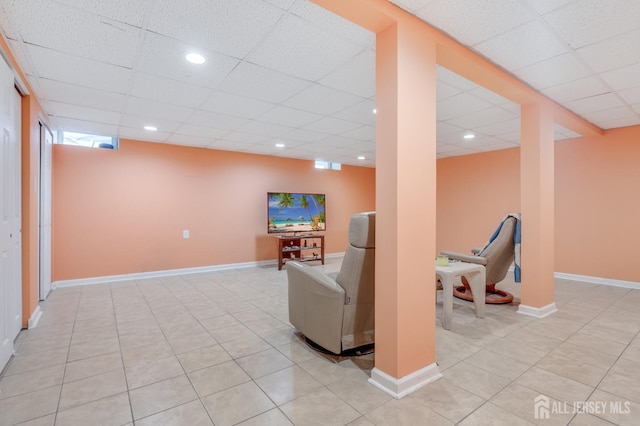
pixel 314 280
pixel 469 258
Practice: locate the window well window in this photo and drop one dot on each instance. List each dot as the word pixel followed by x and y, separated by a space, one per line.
pixel 328 165
pixel 89 140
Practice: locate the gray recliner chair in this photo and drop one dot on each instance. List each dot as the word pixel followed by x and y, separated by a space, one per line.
pixel 497 257
pixel 337 313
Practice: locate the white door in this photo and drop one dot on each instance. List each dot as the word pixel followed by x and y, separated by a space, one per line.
pixel 46 152
pixel 10 238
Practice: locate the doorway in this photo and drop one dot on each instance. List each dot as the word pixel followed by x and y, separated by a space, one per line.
pixel 44 267
pixel 10 214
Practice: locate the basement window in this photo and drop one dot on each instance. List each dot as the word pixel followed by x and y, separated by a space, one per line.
pixel 328 165
pixel 88 140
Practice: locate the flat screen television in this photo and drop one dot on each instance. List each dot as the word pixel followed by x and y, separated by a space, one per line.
pixel 295 212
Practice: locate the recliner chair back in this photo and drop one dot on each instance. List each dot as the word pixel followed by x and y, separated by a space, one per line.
pixel 499 253
pixel 357 278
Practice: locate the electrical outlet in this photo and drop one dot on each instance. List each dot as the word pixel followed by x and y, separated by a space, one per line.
pixel 185 233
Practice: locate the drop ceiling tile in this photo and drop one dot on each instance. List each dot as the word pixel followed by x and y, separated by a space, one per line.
pixel 636 108
pixel 612 53
pixel 266 129
pixel 356 76
pixel 226 103
pixel 361 112
pixel 282 4
pixel 460 18
pixel 545 6
pixel 288 116
pixel 609 114
pixel 631 96
pixel 244 137
pixel 199 131
pixel 551 72
pixel 330 22
pixel 595 103
pixel 454 80
pixel 188 140
pixel 87 114
pixel 322 100
pixel 169 91
pixel 233 28
pixel 139 121
pixel 497 129
pixel 491 97
pixel 444 128
pixel 459 105
pixel 330 125
pixel 589 21
pixel 304 136
pixel 510 137
pixel 365 133
pixel 76 32
pixel 522 46
pixel 141 134
pixel 165 57
pixel 298 48
pixel 127 11
pixel 444 91
pixel 213 119
pixel 157 110
pixel 583 88
pixel 623 78
pixel 488 116
pixel 71 125
pixel 83 96
pixel 622 122
pixel 83 72
pixel 412 6
pixel 253 81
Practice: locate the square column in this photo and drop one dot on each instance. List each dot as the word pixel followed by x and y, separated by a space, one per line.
pixel 537 204
pixel 405 209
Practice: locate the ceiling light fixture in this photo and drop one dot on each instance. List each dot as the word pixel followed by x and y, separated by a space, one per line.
pixel 279 145
pixel 375 110
pixel 151 128
pixel 469 136
pixel 361 157
pixel 195 58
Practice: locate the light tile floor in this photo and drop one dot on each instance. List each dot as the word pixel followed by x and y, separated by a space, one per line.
pixel 217 348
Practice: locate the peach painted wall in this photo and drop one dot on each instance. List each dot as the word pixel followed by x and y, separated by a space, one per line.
pixel 123 211
pixel 474 193
pixel 596 203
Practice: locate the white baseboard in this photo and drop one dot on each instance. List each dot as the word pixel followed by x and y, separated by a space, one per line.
pixel 170 272
pixel 537 312
pixel 35 317
pixel 403 386
pixel 597 280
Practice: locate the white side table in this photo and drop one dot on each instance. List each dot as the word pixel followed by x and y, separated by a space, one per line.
pixel 475 275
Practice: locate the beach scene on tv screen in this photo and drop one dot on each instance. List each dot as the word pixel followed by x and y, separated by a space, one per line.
pixel 296 212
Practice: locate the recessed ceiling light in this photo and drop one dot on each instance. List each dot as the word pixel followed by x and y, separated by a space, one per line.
pixel 279 145
pixel 151 128
pixel 375 110
pixel 361 157
pixel 469 136
pixel 195 58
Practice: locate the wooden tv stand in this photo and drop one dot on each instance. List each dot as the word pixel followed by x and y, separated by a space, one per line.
pixel 302 247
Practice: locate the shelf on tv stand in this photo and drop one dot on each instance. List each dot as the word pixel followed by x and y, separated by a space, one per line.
pixel 294 245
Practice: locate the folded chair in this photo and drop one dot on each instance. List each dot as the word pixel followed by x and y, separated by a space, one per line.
pixel 337 314
pixel 497 255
